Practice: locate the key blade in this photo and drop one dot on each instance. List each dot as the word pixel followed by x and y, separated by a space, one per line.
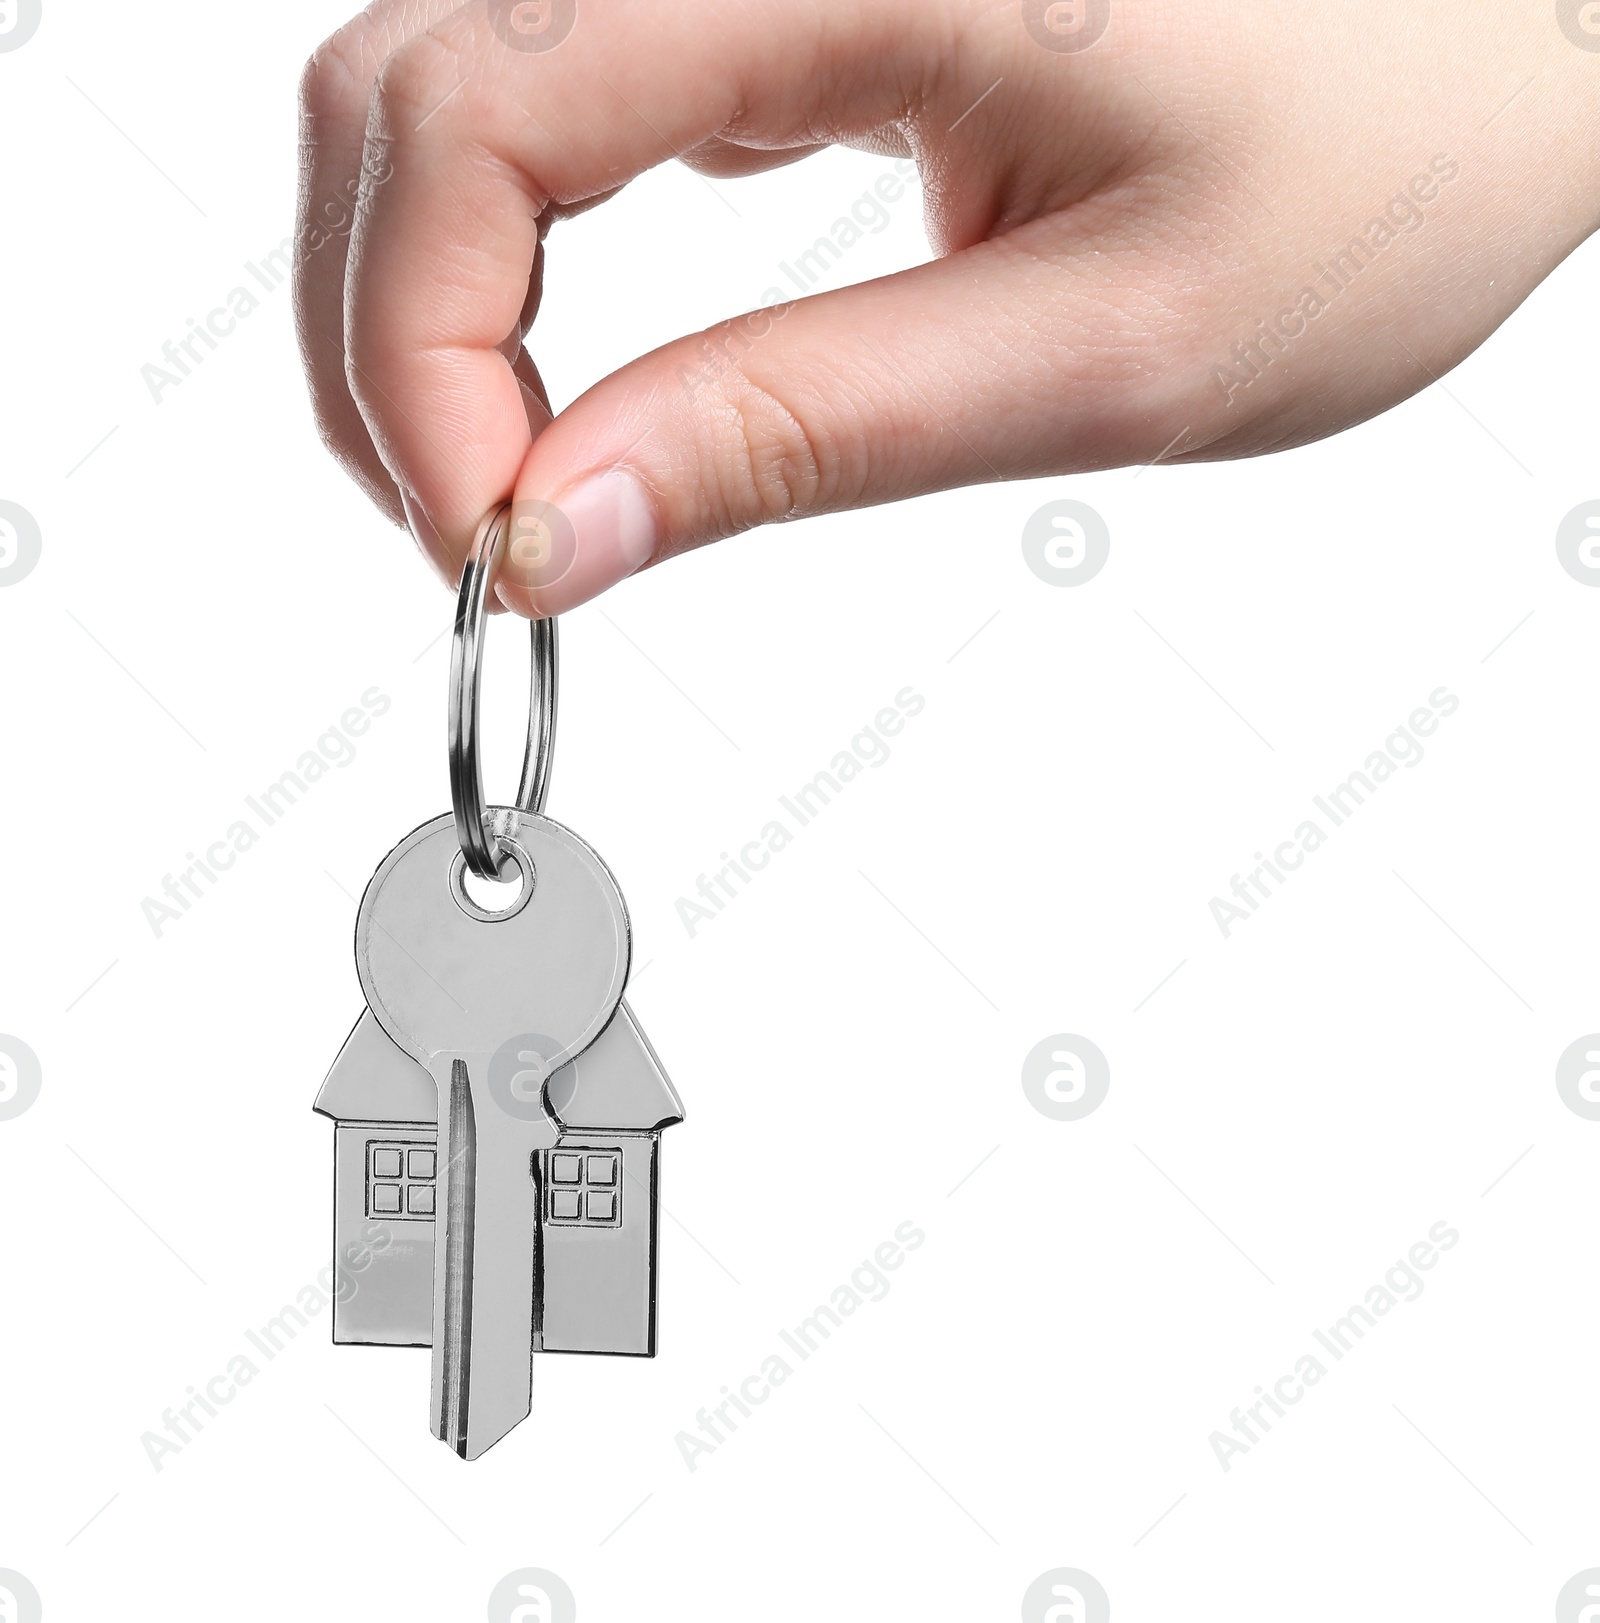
pixel 452 1342
pixel 484 1263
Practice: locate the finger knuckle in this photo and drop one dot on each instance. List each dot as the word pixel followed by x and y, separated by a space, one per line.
pixel 337 77
pixel 772 457
pixel 414 82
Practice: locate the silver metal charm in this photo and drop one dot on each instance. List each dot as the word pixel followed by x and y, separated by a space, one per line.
pixel 498 1111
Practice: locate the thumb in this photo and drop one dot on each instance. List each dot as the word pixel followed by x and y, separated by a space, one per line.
pixel 1001 361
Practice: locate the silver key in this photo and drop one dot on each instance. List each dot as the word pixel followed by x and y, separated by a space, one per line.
pixel 496 1088
pixel 492 1004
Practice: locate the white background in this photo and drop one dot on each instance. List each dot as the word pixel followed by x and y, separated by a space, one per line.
pixel 1288 1113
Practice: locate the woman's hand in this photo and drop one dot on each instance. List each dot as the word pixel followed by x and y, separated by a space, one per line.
pixel 1165 231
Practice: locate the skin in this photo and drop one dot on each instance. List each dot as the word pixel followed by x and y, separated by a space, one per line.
pixel 1108 223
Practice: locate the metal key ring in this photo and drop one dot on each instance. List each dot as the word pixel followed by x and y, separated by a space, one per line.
pixel 492 860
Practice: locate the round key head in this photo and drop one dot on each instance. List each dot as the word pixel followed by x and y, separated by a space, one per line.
pixel 444 976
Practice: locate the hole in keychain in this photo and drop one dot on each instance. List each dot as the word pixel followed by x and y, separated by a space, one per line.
pixel 522 875
pixel 485 849
pixel 492 895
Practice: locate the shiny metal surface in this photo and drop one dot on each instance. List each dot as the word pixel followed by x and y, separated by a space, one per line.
pixel 442 982
pixel 617 1082
pixel 466 677
pixel 596 1272
pixel 465 994
pixel 533 788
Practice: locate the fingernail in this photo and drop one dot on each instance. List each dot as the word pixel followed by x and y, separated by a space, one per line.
pixel 615 532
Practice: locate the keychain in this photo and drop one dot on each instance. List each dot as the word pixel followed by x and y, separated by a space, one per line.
pixel 497 1110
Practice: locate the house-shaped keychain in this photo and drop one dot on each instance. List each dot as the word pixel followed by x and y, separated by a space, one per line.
pixel 597 1185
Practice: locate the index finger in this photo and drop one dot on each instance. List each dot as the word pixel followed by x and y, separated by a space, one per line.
pixel 511 106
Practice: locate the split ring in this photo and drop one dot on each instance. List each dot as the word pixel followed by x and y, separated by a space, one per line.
pixel 489 858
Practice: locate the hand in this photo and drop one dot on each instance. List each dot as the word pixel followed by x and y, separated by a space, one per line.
pixel 1165 230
